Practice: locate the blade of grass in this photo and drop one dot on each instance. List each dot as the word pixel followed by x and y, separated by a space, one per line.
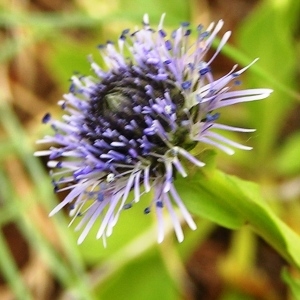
pixel 62 270
pixel 71 273
pixel 11 272
pixel 238 56
pixel 52 20
pixel 32 233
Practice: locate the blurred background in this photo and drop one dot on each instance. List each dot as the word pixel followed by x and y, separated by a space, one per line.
pixel 42 43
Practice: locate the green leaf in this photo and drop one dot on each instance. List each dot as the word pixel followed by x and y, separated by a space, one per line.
pixel 204 203
pixel 293 283
pixel 177 10
pixel 132 223
pixel 145 278
pixel 68 57
pixel 231 294
pixel 46 20
pixel 232 202
pixel 287 161
pixel 200 201
pixel 269 34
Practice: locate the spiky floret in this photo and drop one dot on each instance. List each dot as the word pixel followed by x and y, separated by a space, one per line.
pixel 129 128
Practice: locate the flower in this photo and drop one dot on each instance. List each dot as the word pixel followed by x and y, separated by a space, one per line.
pixel 130 127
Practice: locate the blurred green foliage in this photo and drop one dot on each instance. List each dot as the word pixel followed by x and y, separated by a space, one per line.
pixel 133 266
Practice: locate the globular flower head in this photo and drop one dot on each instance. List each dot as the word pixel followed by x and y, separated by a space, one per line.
pixel 127 130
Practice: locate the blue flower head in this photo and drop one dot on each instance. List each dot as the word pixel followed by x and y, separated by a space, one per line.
pixel 127 129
